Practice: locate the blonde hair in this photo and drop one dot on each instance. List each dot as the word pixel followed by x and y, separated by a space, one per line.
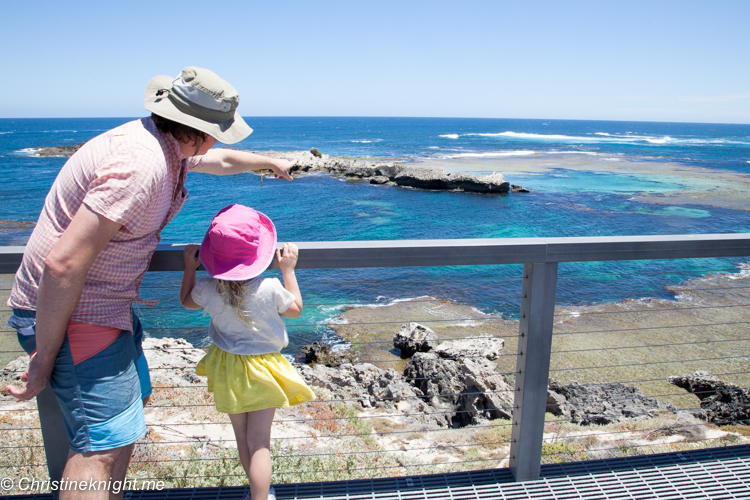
pixel 233 294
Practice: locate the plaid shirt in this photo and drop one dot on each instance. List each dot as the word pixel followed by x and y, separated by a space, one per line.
pixel 133 175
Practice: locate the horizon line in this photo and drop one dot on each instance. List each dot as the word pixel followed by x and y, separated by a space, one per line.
pixel 386 117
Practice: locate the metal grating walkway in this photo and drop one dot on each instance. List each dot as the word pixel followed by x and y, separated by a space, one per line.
pixel 713 474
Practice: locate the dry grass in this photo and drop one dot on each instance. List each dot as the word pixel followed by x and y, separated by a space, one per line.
pixel 496 436
pixel 23 451
pixel 358 452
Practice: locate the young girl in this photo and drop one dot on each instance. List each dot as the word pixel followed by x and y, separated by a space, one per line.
pixel 246 373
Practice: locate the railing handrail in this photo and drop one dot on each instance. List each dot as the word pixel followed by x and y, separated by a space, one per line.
pixel 476 251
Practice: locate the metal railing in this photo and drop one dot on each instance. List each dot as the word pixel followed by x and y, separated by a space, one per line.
pixel 537 318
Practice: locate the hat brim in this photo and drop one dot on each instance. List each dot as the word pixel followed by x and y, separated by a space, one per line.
pixel 240 270
pixel 230 132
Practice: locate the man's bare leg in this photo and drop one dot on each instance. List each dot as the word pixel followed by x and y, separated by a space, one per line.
pixel 96 466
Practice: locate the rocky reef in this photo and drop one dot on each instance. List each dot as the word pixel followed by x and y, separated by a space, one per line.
pixel 456 383
pixel 721 402
pixel 57 150
pixel 399 174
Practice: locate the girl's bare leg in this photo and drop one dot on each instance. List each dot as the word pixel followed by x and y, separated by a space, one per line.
pixel 253 433
pixel 239 424
pixel 259 446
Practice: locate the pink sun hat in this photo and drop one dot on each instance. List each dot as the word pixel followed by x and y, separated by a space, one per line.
pixel 239 245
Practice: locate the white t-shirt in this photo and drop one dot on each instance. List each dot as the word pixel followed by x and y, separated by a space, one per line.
pixel 264 301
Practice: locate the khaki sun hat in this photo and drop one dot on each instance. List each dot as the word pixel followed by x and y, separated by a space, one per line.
pixel 199 99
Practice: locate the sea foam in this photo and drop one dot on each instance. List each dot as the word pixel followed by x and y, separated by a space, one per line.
pixel 495 154
pixel 598 137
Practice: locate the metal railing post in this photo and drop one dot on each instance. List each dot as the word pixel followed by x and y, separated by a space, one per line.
pixel 532 372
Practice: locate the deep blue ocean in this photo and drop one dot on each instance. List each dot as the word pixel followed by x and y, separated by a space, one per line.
pixel 320 207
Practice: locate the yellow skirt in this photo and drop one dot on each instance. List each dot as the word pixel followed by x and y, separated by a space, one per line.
pixel 243 383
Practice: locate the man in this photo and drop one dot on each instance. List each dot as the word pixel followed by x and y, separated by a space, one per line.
pixel 88 253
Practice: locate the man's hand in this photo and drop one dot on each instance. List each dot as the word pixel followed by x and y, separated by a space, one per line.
pixel 36 378
pixel 283 169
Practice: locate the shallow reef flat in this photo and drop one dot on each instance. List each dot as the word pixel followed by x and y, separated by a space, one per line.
pixel 681 184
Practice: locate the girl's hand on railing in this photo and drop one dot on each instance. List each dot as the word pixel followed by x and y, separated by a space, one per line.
pixel 190 256
pixel 288 257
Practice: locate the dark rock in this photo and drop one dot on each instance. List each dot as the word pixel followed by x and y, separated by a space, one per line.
pixel 319 352
pixel 485 396
pixel 467 390
pixel 316 153
pixel 557 404
pixel 604 403
pixel 368 384
pixel 389 170
pixel 379 179
pixel 493 183
pixel 438 179
pixel 421 177
pixel 413 337
pixel 437 378
pixel 721 402
pixel 518 189
pixel 58 150
pixel 359 171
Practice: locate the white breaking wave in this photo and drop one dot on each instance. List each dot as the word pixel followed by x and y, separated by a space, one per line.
pixel 599 137
pixel 663 140
pixel 29 152
pixel 450 136
pixel 495 154
pixel 336 320
pixel 392 301
pixel 588 153
pixel 544 137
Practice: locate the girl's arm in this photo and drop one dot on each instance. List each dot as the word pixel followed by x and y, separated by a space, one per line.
pixel 192 262
pixel 287 263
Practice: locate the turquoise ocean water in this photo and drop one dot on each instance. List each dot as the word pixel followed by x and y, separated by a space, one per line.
pixel 320 207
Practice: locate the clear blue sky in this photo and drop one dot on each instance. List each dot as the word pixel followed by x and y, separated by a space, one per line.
pixel 656 60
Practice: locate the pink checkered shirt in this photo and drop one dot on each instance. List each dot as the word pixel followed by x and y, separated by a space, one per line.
pixel 132 175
